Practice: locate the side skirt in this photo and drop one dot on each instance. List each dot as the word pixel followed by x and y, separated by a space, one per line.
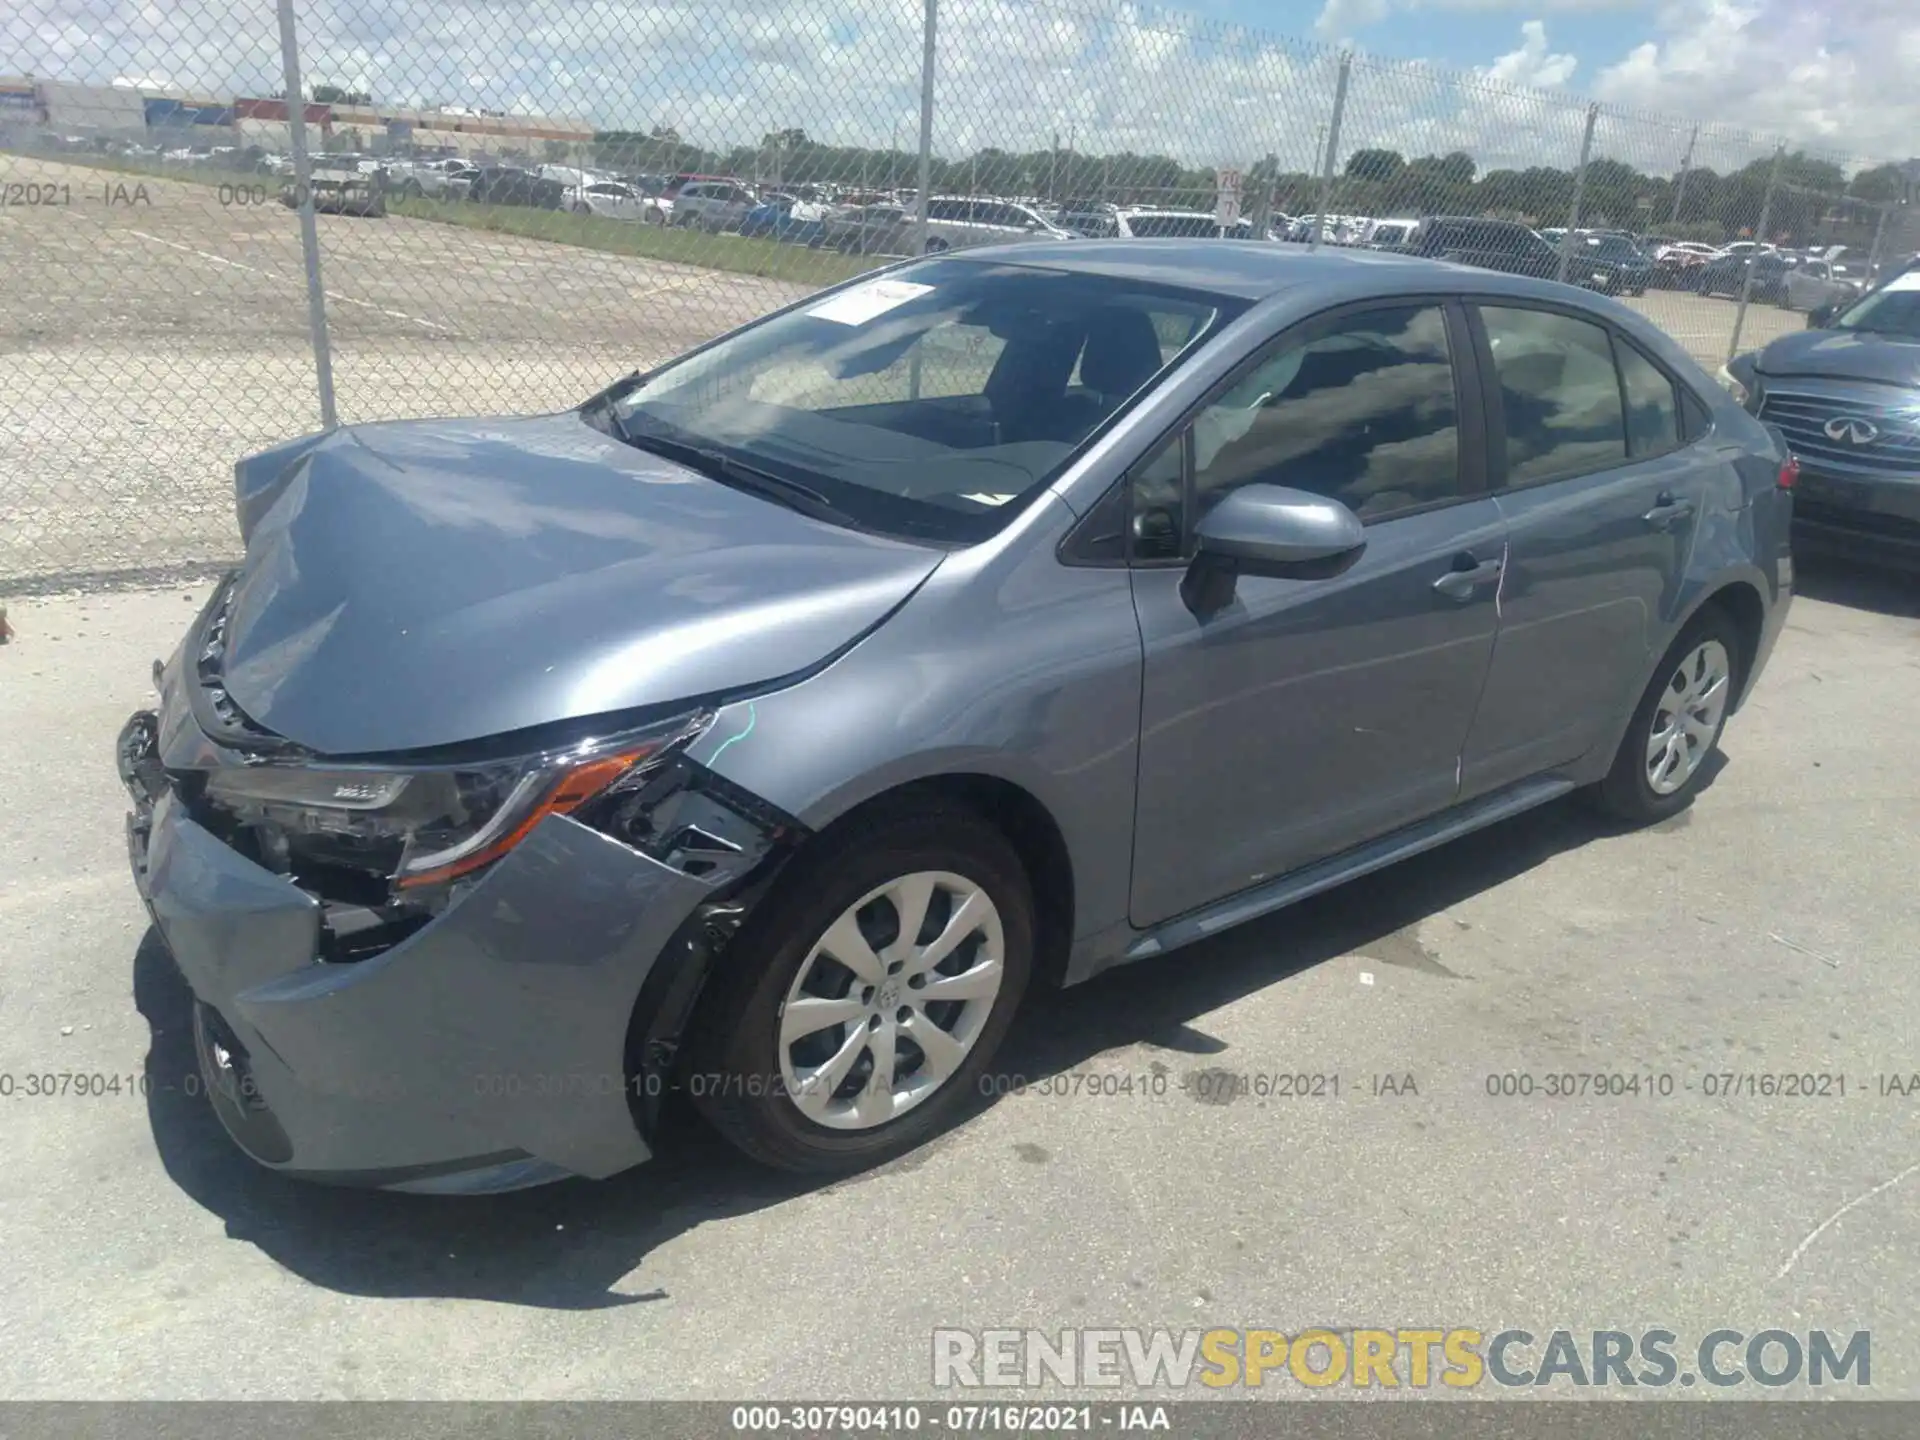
pixel 1349 865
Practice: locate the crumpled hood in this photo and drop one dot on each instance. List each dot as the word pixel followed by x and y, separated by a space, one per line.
pixel 1843 355
pixel 424 583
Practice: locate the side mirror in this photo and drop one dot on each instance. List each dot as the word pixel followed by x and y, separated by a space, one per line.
pixel 1269 530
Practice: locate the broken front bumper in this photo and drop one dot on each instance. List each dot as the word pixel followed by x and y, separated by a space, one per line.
pixel 486 1051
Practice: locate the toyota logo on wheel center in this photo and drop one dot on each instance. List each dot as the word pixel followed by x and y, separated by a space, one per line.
pixel 1852 429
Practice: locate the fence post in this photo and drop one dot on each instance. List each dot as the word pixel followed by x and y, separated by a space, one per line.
pixel 1879 234
pixel 1579 184
pixel 926 129
pixel 1333 148
pixel 1759 239
pixel 309 232
pixel 1680 185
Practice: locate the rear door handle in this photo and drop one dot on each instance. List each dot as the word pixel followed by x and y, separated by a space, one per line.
pixel 1666 510
pixel 1467 576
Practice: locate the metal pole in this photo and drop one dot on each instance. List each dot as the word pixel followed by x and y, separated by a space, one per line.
pixel 309 231
pixel 1680 185
pixel 1759 239
pixel 926 129
pixel 1579 184
pixel 1879 234
pixel 1333 147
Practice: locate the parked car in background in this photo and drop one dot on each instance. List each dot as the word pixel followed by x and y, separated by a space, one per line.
pixel 510 185
pixel 1485 244
pixel 795 219
pixel 1610 262
pixel 1846 393
pixel 1677 264
pixel 611 200
pixel 432 179
pixel 855 708
pixel 1089 219
pixel 957 221
pixel 340 189
pixel 884 229
pixel 1813 284
pixel 1726 275
pixel 1145 224
pixel 715 205
pixel 1382 233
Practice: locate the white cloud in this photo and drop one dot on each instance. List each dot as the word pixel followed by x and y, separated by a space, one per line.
pixel 1532 64
pixel 1341 19
pixel 1839 73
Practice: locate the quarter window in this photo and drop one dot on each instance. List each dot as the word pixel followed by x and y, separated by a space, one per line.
pixel 1653 419
pixel 1559 391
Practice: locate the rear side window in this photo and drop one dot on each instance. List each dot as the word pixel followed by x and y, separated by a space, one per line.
pixel 1559 391
pixel 1653 416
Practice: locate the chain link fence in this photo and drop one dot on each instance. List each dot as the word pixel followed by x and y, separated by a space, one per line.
pixel 473 207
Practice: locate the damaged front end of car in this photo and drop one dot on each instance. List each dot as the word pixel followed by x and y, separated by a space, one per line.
pixel 457 970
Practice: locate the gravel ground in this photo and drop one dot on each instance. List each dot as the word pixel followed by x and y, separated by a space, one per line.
pixel 1767 930
pixel 154 331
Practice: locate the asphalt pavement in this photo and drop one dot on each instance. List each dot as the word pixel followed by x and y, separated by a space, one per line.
pixel 1769 930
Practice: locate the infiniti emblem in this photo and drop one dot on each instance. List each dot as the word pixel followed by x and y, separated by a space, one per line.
pixel 1852 429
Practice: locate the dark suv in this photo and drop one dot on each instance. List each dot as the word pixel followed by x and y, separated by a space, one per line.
pixel 1846 394
pixel 1490 244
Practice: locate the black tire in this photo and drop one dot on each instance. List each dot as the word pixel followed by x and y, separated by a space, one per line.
pixel 1626 793
pixel 734 1059
pixel 937 246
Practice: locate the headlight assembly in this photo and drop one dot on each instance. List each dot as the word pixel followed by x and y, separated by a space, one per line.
pixel 444 821
pixel 1733 386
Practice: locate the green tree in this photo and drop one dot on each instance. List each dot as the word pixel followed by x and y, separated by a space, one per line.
pixel 1385 166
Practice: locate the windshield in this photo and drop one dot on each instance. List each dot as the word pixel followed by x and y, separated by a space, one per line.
pixel 932 402
pixel 1892 310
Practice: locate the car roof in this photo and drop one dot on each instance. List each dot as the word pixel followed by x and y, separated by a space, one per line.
pixel 1251 269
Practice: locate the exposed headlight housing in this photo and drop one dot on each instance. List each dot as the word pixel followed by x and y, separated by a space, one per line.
pixel 441 822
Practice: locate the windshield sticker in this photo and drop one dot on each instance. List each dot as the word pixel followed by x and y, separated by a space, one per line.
pixel 864 302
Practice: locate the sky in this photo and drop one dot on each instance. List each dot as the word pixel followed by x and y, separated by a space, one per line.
pixel 1212 82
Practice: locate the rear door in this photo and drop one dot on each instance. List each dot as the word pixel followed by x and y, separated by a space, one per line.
pixel 1602 501
pixel 1310 715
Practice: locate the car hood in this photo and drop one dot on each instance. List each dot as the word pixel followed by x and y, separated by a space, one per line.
pixel 1843 355
pixel 424 583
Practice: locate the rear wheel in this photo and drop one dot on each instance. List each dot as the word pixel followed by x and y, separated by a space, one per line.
pixel 936 246
pixel 1661 763
pixel 865 997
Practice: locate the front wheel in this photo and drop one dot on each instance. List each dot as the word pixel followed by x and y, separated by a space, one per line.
pixel 1661 763
pixel 859 1007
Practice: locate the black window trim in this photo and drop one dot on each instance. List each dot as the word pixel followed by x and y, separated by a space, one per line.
pixel 1496 419
pixel 1473 456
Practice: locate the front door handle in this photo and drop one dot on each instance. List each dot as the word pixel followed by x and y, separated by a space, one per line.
pixel 1467 576
pixel 1667 509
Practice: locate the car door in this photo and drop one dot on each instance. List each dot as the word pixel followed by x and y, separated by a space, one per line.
pixel 1309 715
pixel 1602 502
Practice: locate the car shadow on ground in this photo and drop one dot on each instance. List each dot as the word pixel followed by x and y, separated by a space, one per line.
pixel 1857 586
pixel 582 1245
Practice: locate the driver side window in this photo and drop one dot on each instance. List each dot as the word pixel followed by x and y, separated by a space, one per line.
pixel 1360 408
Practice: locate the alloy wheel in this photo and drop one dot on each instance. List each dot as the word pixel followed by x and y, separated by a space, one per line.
pixel 1686 721
pixel 890 1000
